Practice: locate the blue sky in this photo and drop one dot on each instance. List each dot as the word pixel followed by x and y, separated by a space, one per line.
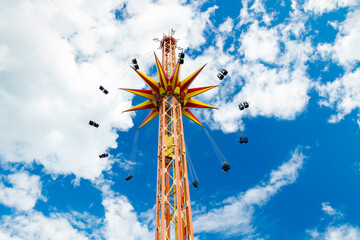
pixel 296 62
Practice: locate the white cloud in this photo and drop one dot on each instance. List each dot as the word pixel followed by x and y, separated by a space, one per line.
pixel 236 216
pixel 344 50
pixel 53 57
pixel 256 10
pixel 343 232
pixel 121 221
pixel 328 209
pixel 279 91
pixel 260 43
pixel 325 50
pixel 321 6
pixel 24 192
pixel 36 226
pixel 227 26
pixel 277 88
pixel 343 94
pixel 334 231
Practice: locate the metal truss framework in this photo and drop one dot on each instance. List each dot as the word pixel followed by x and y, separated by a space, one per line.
pixel 173 207
pixel 170 99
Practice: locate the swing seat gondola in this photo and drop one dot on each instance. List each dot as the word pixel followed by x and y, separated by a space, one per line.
pixel 224 72
pixel 241 106
pixel 181 55
pixel 220 76
pixel 246 104
pixel 129 177
pixel 225 167
pixel 103 90
pixel 243 140
pixel 196 184
pixel 94 124
pixel 104 155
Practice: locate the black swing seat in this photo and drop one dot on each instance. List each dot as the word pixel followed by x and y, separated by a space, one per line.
pixel 241 106
pixel 104 155
pixel 224 72
pixel 94 124
pixel 129 177
pixel 225 167
pixel 220 76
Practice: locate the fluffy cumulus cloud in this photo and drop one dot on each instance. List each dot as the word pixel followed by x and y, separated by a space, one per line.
pixel 321 6
pixel 53 57
pixel 119 212
pixel 345 50
pixel 334 230
pixel 36 226
pixel 23 193
pixel 237 214
pixel 260 43
pixel 119 222
pixel 267 67
pixel 343 232
pixel 343 94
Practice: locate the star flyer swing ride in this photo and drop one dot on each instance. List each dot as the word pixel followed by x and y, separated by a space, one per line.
pixel 170 99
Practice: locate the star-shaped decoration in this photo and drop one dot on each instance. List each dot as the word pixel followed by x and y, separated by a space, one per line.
pixel 169 86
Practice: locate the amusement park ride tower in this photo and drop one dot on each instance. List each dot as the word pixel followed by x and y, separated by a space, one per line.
pixel 170 98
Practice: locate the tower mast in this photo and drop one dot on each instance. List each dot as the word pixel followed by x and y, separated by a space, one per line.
pixel 170 98
pixel 173 207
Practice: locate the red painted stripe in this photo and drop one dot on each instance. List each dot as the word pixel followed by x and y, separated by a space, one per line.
pixel 153 86
pixel 192 115
pixel 187 84
pixel 196 105
pixel 140 90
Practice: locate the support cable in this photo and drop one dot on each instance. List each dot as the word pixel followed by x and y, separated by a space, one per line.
pixel 238 134
pixel 131 170
pixel 106 106
pixel 192 169
pixel 125 70
pixel 217 150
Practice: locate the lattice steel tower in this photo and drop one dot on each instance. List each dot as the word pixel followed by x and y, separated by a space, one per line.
pixel 170 98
